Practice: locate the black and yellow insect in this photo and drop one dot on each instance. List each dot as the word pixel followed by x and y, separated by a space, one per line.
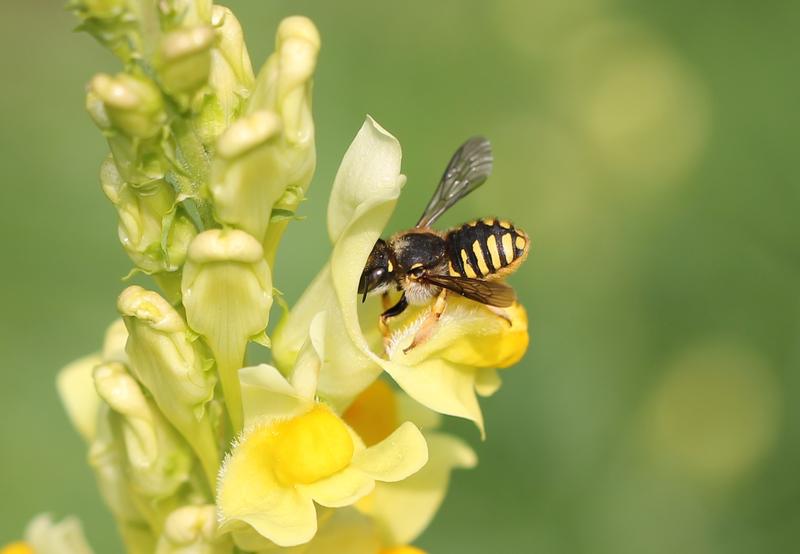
pixel 469 260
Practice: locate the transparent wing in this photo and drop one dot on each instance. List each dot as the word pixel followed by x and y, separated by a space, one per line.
pixel 468 169
pixel 485 292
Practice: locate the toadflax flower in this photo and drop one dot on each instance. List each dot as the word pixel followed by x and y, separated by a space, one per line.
pixel 296 451
pixel 402 510
pixel 208 163
pixel 469 343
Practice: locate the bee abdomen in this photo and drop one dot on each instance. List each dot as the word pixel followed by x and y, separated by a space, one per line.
pixel 485 247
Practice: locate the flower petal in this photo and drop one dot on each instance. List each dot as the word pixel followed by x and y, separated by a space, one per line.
pixel 76 388
pixel 369 170
pixel 396 457
pixel 341 489
pixel 404 509
pixel 267 395
pixel 289 519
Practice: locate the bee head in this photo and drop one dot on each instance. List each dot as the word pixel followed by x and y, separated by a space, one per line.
pixel 378 272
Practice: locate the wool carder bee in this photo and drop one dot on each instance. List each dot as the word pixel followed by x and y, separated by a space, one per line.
pixel 469 260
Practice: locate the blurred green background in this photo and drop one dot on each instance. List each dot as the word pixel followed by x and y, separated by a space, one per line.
pixel 650 150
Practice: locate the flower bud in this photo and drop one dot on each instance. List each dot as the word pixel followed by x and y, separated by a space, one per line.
pixel 76 389
pixel 43 536
pixel 230 79
pixel 184 59
pixel 133 105
pixel 158 462
pixel 231 44
pixel 154 234
pixel 107 459
pixel 192 530
pixel 172 367
pixel 271 150
pixel 227 293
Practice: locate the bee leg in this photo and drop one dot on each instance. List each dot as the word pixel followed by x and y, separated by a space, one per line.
pixel 393 311
pixel 499 312
pixel 386 301
pixel 426 329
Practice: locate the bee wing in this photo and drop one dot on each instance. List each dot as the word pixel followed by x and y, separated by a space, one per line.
pixel 485 292
pixel 468 169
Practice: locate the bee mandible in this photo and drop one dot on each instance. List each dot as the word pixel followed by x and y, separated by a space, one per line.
pixel 469 260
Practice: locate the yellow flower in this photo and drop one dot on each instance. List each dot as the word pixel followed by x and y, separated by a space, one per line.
pixel 295 451
pixel 341 531
pixel 468 344
pixel 402 510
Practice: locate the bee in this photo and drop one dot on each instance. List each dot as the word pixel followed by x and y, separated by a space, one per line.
pixel 469 260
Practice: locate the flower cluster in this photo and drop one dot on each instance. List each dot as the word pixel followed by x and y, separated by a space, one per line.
pixel 193 450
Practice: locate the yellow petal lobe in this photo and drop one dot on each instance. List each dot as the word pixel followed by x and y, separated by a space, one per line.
pixel 310 447
pixel 493 349
pixel 373 414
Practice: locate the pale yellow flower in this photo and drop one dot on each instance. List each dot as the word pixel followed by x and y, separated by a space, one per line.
pixel 294 452
pixel 468 344
pixel 402 510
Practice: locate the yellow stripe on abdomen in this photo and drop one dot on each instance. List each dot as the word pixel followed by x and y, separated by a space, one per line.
pixel 508 247
pixel 478 251
pixel 494 252
pixel 469 271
